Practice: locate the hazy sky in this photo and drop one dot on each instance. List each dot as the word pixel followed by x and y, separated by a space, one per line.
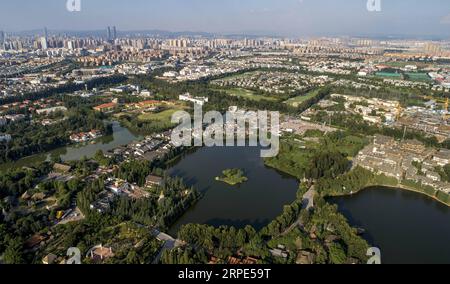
pixel 282 17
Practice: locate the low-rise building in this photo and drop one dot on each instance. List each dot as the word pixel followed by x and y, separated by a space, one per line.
pixel 106 107
pixel 442 158
pixel 49 259
pixel 153 180
pixel 196 100
pixel 405 160
pixel 51 110
pixel 61 168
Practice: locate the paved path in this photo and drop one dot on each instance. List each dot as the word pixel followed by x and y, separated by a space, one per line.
pixel 308 199
pixel 307 204
pixel 169 243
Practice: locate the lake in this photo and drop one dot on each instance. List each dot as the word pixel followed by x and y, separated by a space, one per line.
pixel 121 136
pixel 255 203
pixel 408 227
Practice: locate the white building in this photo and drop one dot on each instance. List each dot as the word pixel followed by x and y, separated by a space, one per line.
pixel 442 158
pixel 196 100
pixel 50 110
pixel 170 74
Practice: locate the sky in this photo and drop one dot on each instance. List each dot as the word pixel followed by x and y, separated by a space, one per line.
pixel 274 17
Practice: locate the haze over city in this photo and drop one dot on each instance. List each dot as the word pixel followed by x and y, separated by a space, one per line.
pixel 259 17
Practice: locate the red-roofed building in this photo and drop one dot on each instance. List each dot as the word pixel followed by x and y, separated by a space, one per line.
pixel 106 107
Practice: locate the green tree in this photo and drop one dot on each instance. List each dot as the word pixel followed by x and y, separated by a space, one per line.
pixel 337 254
pixel 14 252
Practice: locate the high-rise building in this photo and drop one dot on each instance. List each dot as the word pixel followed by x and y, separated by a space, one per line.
pixel 70 45
pixel 44 40
pixel 114 33
pixel 44 44
pixel 2 38
pixel 108 33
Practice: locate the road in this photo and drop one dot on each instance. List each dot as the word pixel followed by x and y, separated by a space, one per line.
pixel 308 199
pixel 307 204
pixel 169 243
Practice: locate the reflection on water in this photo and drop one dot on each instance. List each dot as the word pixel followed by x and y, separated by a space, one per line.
pixel 408 227
pixel 256 202
pixel 121 136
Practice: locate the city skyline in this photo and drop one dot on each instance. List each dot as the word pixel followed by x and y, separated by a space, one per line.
pixel 266 17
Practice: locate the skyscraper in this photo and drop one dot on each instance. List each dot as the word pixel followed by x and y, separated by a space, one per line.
pixel 44 39
pixel 108 33
pixel 44 44
pixel 2 40
pixel 114 33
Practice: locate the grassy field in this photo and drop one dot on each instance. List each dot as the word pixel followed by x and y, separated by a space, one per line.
pixel 403 64
pixel 294 157
pixel 248 94
pixel 243 75
pixel 295 102
pixel 413 76
pixel 351 145
pixel 164 116
pixel 389 75
pixel 418 77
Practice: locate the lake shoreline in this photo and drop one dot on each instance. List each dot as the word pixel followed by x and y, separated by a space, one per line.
pixel 391 187
pixel 198 168
pixel 397 219
pixel 367 187
pixel 76 151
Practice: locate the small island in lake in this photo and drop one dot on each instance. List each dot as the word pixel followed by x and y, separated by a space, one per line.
pixel 232 177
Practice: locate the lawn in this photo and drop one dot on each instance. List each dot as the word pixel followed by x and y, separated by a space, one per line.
pixel 418 77
pixel 295 155
pixel 389 75
pixel 293 158
pixel 351 145
pixel 403 64
pixel 248 94
pixel 296 101
pixel 164 116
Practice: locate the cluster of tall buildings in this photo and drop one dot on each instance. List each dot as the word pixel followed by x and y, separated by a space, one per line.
pixel 111 33
pixel 180 43
pixel 2 38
